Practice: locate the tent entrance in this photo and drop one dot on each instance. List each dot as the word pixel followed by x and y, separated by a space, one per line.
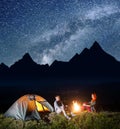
pixel 31 112
pixel 40 107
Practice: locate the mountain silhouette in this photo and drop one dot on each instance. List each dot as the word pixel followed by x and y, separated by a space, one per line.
pixel 95 53
pixel 95 61
pixel 90 63
pixel 26 65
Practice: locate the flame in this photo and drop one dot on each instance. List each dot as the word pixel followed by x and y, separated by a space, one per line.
pixel 76 107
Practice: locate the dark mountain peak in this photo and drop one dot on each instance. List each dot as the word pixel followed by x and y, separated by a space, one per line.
pixel 96 47
pixel 96 43
pixel 76 56
pixel 55 63
pixel 3 65
pixel 27 57
pixel 26 62
pixel 95 53
pixel 86 50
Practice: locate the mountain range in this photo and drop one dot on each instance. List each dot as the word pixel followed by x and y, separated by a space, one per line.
pixel 90 63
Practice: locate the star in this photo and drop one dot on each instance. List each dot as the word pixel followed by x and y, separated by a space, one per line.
pixel 56 30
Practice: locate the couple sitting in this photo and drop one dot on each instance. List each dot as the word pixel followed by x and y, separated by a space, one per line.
pixel 59 106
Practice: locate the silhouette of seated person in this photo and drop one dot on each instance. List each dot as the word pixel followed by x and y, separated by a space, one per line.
pixel 59 107
pixel 91 105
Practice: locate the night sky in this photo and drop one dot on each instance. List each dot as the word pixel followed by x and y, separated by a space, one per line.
pixel 57 29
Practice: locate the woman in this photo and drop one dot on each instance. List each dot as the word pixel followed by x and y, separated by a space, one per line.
pixel 91 105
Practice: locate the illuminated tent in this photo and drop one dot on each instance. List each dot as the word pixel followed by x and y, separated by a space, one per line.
pixel 29 107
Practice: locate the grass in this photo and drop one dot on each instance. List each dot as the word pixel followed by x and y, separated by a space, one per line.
pixel 85 120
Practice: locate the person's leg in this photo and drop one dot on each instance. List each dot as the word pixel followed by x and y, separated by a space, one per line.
pixel 93 109
pixel 65 114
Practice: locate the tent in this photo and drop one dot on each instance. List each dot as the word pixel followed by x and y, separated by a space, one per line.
pixel 29 107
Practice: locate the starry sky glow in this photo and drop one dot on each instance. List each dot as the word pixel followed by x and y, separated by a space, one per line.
pixel 57 29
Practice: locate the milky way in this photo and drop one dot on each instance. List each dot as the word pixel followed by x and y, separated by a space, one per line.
pixel 57 29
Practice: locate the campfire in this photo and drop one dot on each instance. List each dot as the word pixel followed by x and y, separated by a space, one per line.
pixel 76 107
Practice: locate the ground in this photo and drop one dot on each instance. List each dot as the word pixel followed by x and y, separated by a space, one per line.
pixel 85 120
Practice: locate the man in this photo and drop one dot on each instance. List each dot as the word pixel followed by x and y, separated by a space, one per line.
pixel 59 107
